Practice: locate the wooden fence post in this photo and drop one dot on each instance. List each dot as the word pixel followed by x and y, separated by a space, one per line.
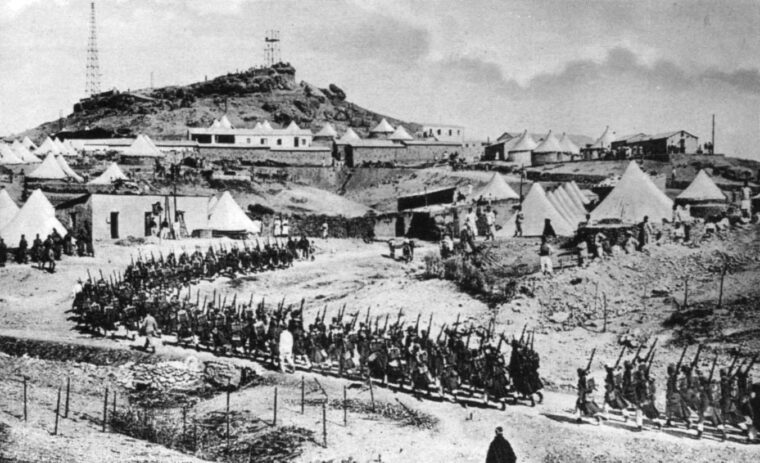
pixel 105 409
pixel 371 394
pixel 303 394
pixel 685 292
pixel 228 419
pixel 324 424
pixel 68 391
pixel 274 418
pixel 722 277
pixel 57 411
pixel 25 414
pixel 345 407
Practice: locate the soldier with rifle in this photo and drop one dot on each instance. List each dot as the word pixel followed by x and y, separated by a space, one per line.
pixel 675 406
pixel 585 405
pixel 709 406
pixel 613 392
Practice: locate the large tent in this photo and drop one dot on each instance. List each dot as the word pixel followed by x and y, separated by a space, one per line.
pixel 566 214
pixel 524 143
pixel 8 208
pixel 50 169
pixel 536 208
pixel 383 127
pixel 350 135
pixel 604 142
pixel 28 144
pixel 225 123
pixel 37 216
pixel 549 145
pixel 8 156
pixel 24 153
pixel 568 146
pixel 497 189
pixel 66 168
pixel 110 175
pixel 701 189
pixel 578 215
pixel 578 193
pixel 143 147
pixel 634 197
pixel 576 202
pixel 226 215
pixel 49 146
pixel 327 131
pixel 400 134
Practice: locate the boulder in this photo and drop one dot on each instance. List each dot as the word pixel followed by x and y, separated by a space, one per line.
pixel 222 375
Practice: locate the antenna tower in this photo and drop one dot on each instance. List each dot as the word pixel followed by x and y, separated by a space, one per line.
pixel 272 48
pixel 92 86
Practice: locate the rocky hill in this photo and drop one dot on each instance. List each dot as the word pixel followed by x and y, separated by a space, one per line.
pixel 247 97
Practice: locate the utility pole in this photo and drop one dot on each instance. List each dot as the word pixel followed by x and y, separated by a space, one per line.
pixel 713 135
pixel 151 80
pixel 92 85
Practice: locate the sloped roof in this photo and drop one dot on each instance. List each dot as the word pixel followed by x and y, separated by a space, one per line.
pixel 702 188
pixel 524 143
pixel 8 208
pixel 293 127
pixel 215 124
pixel 50 169
pixel 61 148
pixel 144 147
pixel 382 127
pixel 497 189
pixel 634 197
pixel 400 134
pixel 48 146
pixel 66 168
pixel 567 215
pixel 350 135
pixel 605 140
pixel 571 195
pixel 536 208
pixel 266 126
pixel 28 143
pixel 578 214
pixel 327 131
pixel 549 145
pixel 227 215
pixel 568 146
pixel 112 173
pixel 37 216
pixel 578 193
pixel 8 156
pixel 24 153
pixel 225 123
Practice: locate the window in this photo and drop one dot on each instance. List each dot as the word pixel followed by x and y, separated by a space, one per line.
pixel 458 132
pixel 450 132
pixel 263 141
pixel 279 142
pixel 248 140
pixel 439 131
pixel 227 139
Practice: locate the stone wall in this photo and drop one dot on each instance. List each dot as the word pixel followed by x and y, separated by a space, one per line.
pixel 321 156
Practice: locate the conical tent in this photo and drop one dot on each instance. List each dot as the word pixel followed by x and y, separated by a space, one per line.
pixel 48 146
pixel 66 168
pixel 525 143
pixel 350 135
pixel 143 147
pixel 8 156
pixel 215 124
pixel 24 153
pixel 702 188
pixel 266 126
pixel 577 203
pixel 634 197
pixel 605 140
pixel 28 144
pixel 578 193
pixel 225 123
pixel 61 149
pixel 8 208
pixel 549 145
pixel 497 189
pixel 577 214
pixel 64 148
pixel 382 127
pixel 37 216
pixel 111 174
pixel 69 145
pixel 400 134
pixel 49 170
pixel 327 131
pixel 567 215
pixel 568 146
pixel 536 208
pixel 227 215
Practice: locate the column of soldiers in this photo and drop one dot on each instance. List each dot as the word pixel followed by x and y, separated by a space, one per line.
pixel 457 360
pixel 691 396
pixel 46 252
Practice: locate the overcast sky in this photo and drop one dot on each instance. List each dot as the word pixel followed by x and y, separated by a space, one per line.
pixel 575 66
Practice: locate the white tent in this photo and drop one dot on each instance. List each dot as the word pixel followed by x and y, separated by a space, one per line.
pixel 702 189
pixel 8 208
pixel 571 195
pixel 549 145
pixel 48 146
pixel 266 126
pixel 350 135
pixel 497 189
pixel 73 150
pixel 64 148
pixel 578 214
pixel 8 156
pixel 50 169
pixel 605 140
pixel 578 193
pixel 24 153
pixel 37 216
pixel 111 174
pixel 28 144
pixel 225 123
pixel 634 197
pixel 536 208
pixel 524 143
pixel 143 147
pixel 66 168
pixel 227 215
pixel 567 215
pixel 327 131
pixel 400 134
pixel 568 146
pixel 382 127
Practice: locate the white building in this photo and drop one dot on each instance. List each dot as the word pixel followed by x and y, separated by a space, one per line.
pixel 444 132
pixel 261 136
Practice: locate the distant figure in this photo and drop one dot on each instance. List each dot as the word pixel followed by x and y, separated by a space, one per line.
pixel 746 202
pixel 164 233
pixel 490 224
pixel 286 350
pixel 519 219
pixel 645 233
pixel 324 230
pixel 472 222
pixel 447 246
pixel 277 231
pixel 3 253
pixel 545 257
pixel 150 326
pixel 21 256
pixel 548 230
pixel 500 451
pixel 285 227
pixel 599 240
pixel 582 254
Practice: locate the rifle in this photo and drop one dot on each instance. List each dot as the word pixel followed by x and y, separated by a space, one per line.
pixel 467 344
pixel 385 327
pixel 751 364
pixel 398 319
pixel 430 327
pixel 197 298
pixel 303 301
pixel 366 319
pixel 353 321
pixel 590 360
pixel 501 339
pixel 417 325
pixel 620 357
pixel 522 335
pixel 204 303
pixel 340 313
pixel 733 364
pixel 324 314
pixel 234 302
pixel 224 302
pixel 532 339
pixel 250 302
pixel 649 362
pixel 651 350
pixel 456 324
pixel 712 370
pixel 680 360
pixel 696 357
pixel 438 339
pixel 89 278
pixel 101 275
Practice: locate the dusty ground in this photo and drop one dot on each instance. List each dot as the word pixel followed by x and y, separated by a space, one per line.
pixel 33 304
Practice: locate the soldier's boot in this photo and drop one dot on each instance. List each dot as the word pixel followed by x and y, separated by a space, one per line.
pixel 540 397
pixel 639 421
pixel 658 422
pixel 723 433
pixel 598 420
pixel 700 429
pixel 668 423
pixel 532 401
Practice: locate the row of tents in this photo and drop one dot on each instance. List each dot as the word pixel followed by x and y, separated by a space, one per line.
pixel 634 197
pixel 16 153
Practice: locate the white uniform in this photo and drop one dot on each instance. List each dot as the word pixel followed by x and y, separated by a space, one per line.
pixel 286 350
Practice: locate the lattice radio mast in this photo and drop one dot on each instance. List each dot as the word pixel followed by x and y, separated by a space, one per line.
pixel 92 86
pixel 272 48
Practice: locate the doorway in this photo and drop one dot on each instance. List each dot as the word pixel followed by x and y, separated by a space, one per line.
pixel 114 225
pixel 148 223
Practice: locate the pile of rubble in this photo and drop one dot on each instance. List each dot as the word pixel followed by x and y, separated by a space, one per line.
pixel 188 375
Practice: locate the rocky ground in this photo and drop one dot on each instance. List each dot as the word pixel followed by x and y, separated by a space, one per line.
pixel 642 291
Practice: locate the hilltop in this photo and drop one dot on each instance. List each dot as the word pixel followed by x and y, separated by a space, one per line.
pixel 247 97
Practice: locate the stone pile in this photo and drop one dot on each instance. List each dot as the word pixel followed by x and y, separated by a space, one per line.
pixel 166 376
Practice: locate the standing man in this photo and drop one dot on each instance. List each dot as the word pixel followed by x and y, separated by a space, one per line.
pixel 150 326
pixel 500 451
pixel 3 253
pixel 645 233
pixel 472 222
pixel 286 350
pixel 746 202
pixel 324 230
pixel 490 224
pixel 545 257
pixel 519 219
